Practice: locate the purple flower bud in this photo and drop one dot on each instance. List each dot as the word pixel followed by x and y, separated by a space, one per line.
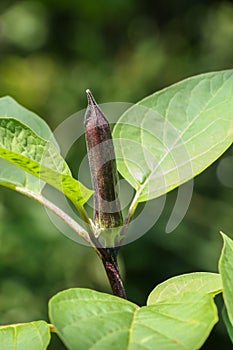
pixel 102 162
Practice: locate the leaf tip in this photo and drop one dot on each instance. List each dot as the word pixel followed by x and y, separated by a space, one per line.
pixel 222 234
pixel 225 237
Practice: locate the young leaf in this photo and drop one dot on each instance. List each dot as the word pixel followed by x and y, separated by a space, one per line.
pixel 226 271
pixel 197 282
pixel 87 319
pixel 22 147
pixel 25 336
pixel 176 133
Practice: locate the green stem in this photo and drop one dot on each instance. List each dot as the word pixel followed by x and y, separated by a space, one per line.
pixel 52 328
pixel 56 210
pixel 131 211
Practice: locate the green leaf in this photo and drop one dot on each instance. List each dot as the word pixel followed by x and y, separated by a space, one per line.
pixel 9 108
pixel 227 322
pixel 226 271
pixel 197 282
pixel 176 133
pixel 87 319
pixel 25 336
pixel 11 175
pixel 22 147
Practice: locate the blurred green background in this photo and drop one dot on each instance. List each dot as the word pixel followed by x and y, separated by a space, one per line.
pixel 50 52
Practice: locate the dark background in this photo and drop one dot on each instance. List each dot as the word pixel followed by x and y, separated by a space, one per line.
pixel 50 52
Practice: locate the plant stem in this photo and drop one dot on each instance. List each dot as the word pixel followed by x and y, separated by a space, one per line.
pixel 56 210
pixel 107 211
pixel 131 211
pixel 109 260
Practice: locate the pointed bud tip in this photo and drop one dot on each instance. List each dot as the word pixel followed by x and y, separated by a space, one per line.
pixel 90 98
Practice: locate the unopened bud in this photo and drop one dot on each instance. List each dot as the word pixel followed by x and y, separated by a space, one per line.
pixel 102 163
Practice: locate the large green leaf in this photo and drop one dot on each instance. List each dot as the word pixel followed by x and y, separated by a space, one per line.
pixel 226 271
pixel 24 148
pixel 197 282
pixel 174 134
pixel 87 319
pixel 25 336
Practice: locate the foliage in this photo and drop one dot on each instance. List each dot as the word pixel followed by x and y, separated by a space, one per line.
pixel 182 315
pixel 190 122
pixel 186 317
pixel 33 335
pixel 135 49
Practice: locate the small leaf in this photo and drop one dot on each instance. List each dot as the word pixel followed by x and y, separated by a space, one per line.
pixel 197 282
pixel 87 319
pixel 227 322
pixel 22 147
pixel 173 135
pixel 226 271
pixel 25 336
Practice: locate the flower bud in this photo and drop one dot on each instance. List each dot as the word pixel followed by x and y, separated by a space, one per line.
pixel 102 163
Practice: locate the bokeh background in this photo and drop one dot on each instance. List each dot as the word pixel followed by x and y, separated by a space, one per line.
pixel 50 52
